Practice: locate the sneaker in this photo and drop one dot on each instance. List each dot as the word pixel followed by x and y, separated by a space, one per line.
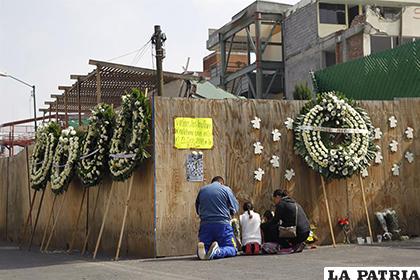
pixel 286 251
pixel 214 248
pixel 201 251
pixel 299 247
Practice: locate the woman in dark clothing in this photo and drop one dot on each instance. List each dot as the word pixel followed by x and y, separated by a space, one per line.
pixel 285 215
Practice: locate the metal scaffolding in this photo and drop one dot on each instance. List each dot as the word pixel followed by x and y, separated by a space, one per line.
pixel 256 32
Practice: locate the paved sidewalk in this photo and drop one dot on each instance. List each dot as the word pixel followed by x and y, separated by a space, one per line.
pixel 16 264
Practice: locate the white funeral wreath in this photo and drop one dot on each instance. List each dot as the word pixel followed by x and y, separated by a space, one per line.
pixel 42 155
pixel 131 135
pixel 93 162
pixel 65 159
pixel 334 137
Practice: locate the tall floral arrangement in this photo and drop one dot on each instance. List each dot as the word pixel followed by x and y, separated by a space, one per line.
pixel 93 163
pixel 131 135
pixel 42 155
pixel 65 159
pixel 334 136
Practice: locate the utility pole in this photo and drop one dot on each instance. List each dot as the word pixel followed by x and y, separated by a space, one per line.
pixel 158 39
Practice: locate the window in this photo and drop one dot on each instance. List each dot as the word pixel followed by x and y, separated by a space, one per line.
pixel 330 58
pixel 379 43
pixel 213 71
pixel 390 13
pixel 353 12
pixel 332 13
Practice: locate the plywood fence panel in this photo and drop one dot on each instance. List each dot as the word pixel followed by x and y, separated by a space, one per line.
pixel 3 197
pixel 139 234
pixel 18 198
pixel 166 200
pixel 235 134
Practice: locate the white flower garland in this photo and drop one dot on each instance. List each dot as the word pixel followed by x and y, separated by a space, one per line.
pixel 335 116
pixel 42 155
pixel 131 135
pixel 65 159
pixel 95 146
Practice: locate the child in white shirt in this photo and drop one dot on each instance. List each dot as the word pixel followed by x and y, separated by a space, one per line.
pixel 250 228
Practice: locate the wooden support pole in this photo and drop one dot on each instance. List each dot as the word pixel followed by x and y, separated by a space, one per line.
pixel 73 236
pixel 117 255
pixel 55 221
pixel 328 211
pixel 79 104
pixel 23 238
pixel 29 183
pixel 90 229
pixel 48 223
pixel 103 222
pixel 36 218
pixel 365 206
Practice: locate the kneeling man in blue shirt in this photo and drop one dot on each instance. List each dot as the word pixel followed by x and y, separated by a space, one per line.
pixel 215 204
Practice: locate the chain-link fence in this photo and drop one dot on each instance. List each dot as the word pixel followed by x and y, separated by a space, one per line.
pixel 383 76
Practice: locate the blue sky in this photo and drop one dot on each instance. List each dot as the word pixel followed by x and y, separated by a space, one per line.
pixel 44 41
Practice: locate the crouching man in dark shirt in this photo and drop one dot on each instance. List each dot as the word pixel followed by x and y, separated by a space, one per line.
pixel 289 213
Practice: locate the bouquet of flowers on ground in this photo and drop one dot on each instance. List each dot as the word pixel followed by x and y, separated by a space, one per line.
pixel 345 226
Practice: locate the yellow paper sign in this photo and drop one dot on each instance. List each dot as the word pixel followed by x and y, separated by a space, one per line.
pixel 193 133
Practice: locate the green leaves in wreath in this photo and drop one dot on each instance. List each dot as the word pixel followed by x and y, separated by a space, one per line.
pixel 131 135
pixel 42 156
pixel 93 163
pixel 65 159
pixel 334 137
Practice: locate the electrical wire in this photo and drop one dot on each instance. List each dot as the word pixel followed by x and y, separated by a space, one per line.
pixel 137 51
pixel 140 54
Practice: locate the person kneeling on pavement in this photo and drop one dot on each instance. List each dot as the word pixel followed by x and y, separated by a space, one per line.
pixel 290 214
pixel 216 204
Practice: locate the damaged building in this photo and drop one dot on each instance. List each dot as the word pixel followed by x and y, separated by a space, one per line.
pixel 309 36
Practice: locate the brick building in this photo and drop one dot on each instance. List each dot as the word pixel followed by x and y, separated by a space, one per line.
pixel 311 35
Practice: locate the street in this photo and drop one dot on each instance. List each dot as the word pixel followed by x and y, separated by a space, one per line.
pixel 21 264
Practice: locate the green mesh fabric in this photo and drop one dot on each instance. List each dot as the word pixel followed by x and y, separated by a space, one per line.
pixel 383 76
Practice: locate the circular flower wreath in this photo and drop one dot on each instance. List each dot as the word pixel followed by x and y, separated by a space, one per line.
pixel 42 155
pixel 65 158
pixel 334 137
pixel 95 146
pixel 131 135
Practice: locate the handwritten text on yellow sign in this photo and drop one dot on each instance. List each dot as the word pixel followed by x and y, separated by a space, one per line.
pixel 193 133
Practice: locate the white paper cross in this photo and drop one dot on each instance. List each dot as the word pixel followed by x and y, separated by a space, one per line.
pixel 258 174
pixel 409 156
pixel 392 122
pixel 290 173
pixel 409 133
pixel 365 173
pixel 275 161
pixel 394 146
pixel 276 135
pixel 258 148
pixel 378 133
pixel 256 123
pixel 395 170
pixel 289 123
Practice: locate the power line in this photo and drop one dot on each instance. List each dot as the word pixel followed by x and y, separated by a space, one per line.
pixel 131 52
pixel 140 54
